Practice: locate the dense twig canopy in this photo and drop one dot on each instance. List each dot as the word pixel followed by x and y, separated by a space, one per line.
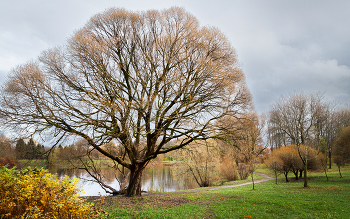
pixel 141 79
pixel 299 118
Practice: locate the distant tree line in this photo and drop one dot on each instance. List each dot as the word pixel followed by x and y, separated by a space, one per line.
pixel 30 150
pixel 13 150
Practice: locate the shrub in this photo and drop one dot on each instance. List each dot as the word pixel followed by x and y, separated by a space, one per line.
pixel 243 171
pixel 291 161
pixel 167 158
pixel 5 161
pixel 35 193
pixel 227 170
pixel 275 164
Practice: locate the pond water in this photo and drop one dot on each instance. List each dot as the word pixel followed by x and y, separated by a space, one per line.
pixel 154 178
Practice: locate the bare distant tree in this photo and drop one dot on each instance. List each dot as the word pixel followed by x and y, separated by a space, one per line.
pixel 328 132
pixel 275 136
pixel 300 118
pixel 342 115
pixel 142 79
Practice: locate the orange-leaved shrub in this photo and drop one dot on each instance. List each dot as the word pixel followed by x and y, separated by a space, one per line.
pixel 35 193
pixel 227 170
pixel 5 161
pixel 275 164
pixel 243 171
pixel 287 159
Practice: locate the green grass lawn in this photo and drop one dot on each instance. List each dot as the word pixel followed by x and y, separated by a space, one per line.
pixel 322 199
pixel 32 163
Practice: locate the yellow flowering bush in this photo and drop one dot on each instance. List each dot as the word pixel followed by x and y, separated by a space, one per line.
pixel 35 193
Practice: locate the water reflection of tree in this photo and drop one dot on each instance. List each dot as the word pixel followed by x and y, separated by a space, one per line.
pixel 161 178
pixel 81 156
pixel 198 162
pixel 156 178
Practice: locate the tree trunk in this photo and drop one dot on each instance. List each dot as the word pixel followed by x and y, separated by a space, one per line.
pixel 134 187
pixel 325 171
pixel 305 167
pixel 296 174
pixel 276 176
pixel 330 159
pixel 340 172
pixel 305 175
pixel 301 174
pixel 286 175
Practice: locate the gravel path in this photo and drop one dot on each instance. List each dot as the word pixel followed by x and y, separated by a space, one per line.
pixel 267 178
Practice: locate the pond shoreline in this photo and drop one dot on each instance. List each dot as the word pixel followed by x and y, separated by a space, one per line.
pixel 237 184
pixel 157 177
pixel 66 164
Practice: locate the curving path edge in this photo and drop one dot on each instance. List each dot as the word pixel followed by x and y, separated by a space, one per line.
pixel 267 178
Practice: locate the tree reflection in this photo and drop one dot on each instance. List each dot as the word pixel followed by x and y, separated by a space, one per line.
pixel 155 178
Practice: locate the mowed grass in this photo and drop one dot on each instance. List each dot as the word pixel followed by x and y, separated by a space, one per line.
pixel 322 199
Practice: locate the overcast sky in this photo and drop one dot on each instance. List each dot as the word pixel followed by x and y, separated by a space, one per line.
pixel 283 46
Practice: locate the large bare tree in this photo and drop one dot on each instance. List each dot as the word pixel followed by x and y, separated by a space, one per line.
pixel 141 79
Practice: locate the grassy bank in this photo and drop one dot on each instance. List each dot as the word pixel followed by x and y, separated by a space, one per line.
pixel 322 199
pixel 32 163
